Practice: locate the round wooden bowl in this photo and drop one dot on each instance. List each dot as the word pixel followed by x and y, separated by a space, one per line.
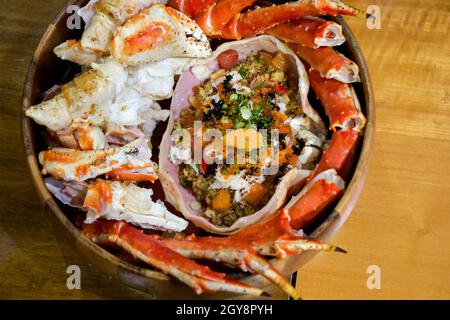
pixel 46 70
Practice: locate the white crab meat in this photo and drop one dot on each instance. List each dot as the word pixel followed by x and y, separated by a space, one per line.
pixel 84 95
pixel 301 128
pixel 157 33
pixel 75 165
pixel 119 101
pixel 102 19
pixel 121 201
pixel 82 136
pixel 157 79
pixel 72 50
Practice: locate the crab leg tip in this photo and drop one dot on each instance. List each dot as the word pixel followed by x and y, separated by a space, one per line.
pixel 340 250
pixel 297 297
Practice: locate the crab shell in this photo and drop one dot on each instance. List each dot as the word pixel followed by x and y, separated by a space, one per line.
pixel 157 33
pixel 180 197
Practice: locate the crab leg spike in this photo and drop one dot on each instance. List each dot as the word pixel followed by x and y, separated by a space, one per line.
pixel 339 100
pixel 257 20
pixel 309 32
pixel 151 251
pixel 236 253
pixel 329 63
pixel 295 245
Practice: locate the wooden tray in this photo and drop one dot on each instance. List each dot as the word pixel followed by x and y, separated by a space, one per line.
pixel 46 70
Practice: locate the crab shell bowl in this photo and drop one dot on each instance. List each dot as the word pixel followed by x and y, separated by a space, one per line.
pixel 46 70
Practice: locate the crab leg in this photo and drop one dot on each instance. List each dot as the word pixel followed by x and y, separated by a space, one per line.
pixel 339 100
pixel 76 100
pixel 191 8
pixel 72 50
pixel 233 252
pixel 310 32
pixel 329 63
pixel 76 165
pixel 279 236
pixel 81 136
pixel 256 21
pixel 213 19
pixel 109 14
pixel 340 153
pixel 151 251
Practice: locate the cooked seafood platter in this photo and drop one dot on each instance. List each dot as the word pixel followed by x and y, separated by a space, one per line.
pixel 212 143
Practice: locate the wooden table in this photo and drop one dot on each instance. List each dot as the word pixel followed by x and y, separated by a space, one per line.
pixel 401 223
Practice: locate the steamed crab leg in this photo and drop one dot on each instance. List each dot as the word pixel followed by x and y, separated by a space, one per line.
pixel 136 33
pixel 255 21
pixel 151 251
pixel 116 200
pixel 214 18
pixel 75 165
pixel 191 8
pixel 339 100
pixel 275 237
pixel 78 96
pixel 223 18
pixel 310 32
pixel 243 254
pixel 329 63
pixel 80 136
pixel 72 50
pixel 340 153
pixel 109 14
pixel 269 237
pixel 156 32
pixel 235 253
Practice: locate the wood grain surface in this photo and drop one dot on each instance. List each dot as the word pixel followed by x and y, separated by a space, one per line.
pixel 401 223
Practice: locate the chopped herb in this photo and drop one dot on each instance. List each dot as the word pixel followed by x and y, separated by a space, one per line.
pixel 239 125
pixel 224 120
pixel 184 184
pixel 246 113
pixel 243 72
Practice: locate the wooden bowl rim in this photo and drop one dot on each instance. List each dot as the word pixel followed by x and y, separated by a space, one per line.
pixel 124 270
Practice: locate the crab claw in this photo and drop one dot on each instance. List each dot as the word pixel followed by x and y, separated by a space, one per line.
pixel 233 252
pixel 151 251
